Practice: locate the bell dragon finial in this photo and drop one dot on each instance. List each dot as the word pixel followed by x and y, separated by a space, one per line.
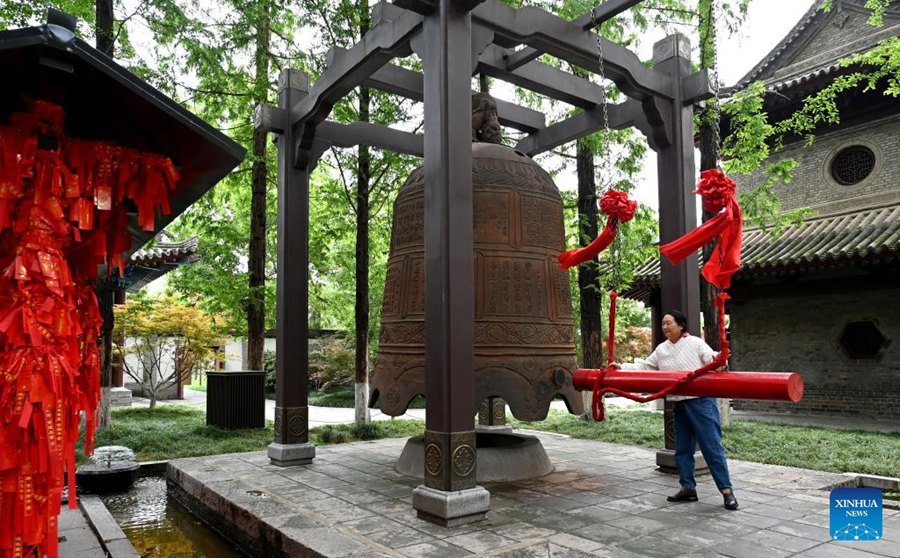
pixel 485 126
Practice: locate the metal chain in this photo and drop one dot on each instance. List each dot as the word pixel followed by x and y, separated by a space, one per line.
pixel 607 165
pixel 607 158
pixel 713 31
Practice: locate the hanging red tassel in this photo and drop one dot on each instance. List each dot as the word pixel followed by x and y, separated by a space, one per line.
pixel 718 193
pixel 619 209
pixel 49 317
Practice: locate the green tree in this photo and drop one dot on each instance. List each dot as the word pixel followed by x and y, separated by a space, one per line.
pixel 621 154
pixel 222 64
pixel 162 343
pixel 368 181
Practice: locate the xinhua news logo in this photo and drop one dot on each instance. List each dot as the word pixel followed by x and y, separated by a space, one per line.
pixel 856 514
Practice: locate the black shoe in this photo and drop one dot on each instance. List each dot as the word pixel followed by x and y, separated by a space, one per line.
pixel 684 495
pixel 731 502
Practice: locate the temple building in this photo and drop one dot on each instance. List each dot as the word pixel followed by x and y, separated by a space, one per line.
pixel 823 299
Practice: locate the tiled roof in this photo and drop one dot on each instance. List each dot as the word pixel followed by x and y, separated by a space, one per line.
pixel 146 265
pixel 165 252
pixel 828 241
pixel 780 77
pixel 779 49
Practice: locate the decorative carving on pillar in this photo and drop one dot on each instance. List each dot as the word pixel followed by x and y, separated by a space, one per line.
pixel 459 473
pixel 463 460
pixel 492 412
pixel 434 460
pixel 669 424
pixel 291 425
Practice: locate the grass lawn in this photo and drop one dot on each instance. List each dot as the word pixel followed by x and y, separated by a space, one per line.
pixel 174 431
pixel 198 384
pixel 822 449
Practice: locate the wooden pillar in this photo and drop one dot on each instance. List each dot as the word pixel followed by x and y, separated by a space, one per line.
pixel 450 495
pixel 680 284
pixel 291 445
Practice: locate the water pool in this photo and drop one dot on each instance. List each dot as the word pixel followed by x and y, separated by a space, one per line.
pixel 159 527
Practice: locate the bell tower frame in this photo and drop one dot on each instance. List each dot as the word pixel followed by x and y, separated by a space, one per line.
pixel 454 39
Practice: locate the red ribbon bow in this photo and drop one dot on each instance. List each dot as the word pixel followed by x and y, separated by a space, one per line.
pixel 718 193
pixel 619 209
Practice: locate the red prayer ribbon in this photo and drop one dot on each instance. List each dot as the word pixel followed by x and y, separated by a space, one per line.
pixel 618 209
pixel 721 360
pixel 718 193
pixel 49 317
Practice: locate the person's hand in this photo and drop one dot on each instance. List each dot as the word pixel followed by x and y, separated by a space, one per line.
pixel 614 366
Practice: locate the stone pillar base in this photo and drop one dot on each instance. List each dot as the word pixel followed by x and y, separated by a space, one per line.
pixel 665 462
pixel 450 509
pixel 120 397
pixel 288 455
pixel 498 429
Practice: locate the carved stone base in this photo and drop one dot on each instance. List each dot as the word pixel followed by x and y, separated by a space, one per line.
pixel 665 463
pixel 450 509
pixel 498 429
pixel 287 455
pixel 501 457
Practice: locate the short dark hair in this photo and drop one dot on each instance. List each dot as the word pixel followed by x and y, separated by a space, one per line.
pixel 679 318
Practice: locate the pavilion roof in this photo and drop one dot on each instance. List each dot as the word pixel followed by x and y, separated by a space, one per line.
pixel 149 264
pixel 104 101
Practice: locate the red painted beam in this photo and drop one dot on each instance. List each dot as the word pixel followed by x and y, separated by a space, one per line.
pixel 776 386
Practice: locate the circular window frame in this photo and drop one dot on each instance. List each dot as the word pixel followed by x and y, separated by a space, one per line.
pixel 827 172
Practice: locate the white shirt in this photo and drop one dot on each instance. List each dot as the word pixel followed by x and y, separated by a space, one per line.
pixel 688 354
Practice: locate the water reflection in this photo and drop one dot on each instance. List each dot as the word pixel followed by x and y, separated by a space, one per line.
pixel 158 526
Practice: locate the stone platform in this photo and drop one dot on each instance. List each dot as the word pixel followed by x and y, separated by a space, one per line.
pixel 602 500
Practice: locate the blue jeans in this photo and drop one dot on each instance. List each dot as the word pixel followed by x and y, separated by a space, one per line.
pixel 697 422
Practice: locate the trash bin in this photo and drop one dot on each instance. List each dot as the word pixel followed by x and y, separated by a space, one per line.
pixel 236 400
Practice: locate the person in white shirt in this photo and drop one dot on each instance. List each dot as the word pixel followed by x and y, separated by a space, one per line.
pixel 697 420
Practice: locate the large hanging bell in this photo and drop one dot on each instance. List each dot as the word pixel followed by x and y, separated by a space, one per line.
pixel 524 333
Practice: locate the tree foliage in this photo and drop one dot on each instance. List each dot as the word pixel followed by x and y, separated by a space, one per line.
pixel 162 343
pixel 753 140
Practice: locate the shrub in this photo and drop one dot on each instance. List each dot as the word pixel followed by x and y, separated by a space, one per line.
pixel 634 342
pixel 269 367
pixel 370 431
pixel 332 361
pixel 332 434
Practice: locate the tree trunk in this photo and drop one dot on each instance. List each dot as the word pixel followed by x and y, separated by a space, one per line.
pixel 590 295
pixel 256 304
pixel 104 27
pixel 362 270
pixel 363 177
pixel 105 291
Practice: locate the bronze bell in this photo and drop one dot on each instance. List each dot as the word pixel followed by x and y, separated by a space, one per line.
pixel 524 333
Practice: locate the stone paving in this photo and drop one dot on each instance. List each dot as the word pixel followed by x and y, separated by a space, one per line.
pixel 76 540
pixel 602 500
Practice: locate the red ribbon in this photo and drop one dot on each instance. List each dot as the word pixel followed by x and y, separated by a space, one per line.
pixel 720 361
pixel 718 193
pixel 618 209
pixel 49 316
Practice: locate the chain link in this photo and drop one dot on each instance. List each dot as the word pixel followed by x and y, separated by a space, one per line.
pixel 713 32
pixel 607 158
pixel 606 163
